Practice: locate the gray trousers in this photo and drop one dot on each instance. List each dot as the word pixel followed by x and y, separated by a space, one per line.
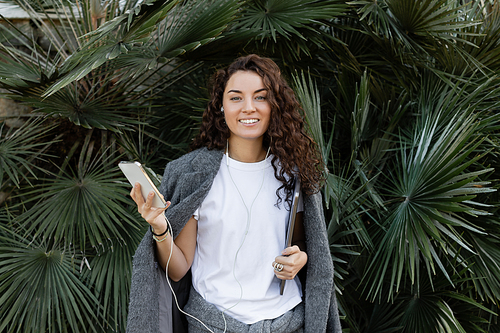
pixel 290 322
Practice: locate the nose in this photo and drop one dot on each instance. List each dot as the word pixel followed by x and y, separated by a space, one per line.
pixel 249 105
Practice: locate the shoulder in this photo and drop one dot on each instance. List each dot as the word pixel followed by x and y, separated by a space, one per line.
pixel 192 168
pixel 186 159
pixel 200 158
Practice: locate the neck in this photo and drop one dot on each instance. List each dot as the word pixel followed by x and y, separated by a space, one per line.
pixel 247 152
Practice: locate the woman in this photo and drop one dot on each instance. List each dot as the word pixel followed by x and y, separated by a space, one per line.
pixel 229 202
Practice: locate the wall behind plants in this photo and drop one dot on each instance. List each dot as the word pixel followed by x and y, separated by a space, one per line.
pixel 401 96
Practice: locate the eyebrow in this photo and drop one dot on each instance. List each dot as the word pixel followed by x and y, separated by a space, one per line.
pixel 239 92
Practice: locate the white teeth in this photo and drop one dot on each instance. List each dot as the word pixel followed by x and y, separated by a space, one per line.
pixel 248 121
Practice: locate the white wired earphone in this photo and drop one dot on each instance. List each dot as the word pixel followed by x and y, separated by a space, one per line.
pixel 173 292
pixel 249 216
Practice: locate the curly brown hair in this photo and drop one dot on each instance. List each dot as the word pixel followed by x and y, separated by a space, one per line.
pixel 295 153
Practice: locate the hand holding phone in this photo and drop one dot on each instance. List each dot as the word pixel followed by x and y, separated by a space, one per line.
pixel 135 173
pixel 150 208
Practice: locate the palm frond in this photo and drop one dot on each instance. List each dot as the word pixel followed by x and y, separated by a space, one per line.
pixel 430 17
pixel 309 98
pixel 413 23
pixel 109 276
pixel 429 190
pixel 342 198
pixel 133 27
pixel 86 206
pixel 348 205
pixel 385 318
pixel 193 25
pixel 290 22
pixel 40 289
pixel 479 49
pixel 439 316
pixel 19 148
pixel 437 308
pixel 484 267
pixel 130 35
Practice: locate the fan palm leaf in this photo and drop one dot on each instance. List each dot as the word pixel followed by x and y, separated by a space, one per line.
pixel 278 17
pixel 408 35
pixel 341 196
pixel 40 290
pixel 84 220
pixel 92 87
pixel 193 25
pixel 480 47
pixel 186 27
pixel 19 148
pixel 436 308
pixel 484 264
pixel 431 189
pixel 415 23
pixel 82 208
pixel 288 28
pixel 110 274
pixel 308 95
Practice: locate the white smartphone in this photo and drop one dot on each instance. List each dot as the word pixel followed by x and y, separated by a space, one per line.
pixel 135 173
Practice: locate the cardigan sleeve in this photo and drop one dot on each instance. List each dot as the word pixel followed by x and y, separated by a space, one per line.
pixel 143 301
pixel 320 302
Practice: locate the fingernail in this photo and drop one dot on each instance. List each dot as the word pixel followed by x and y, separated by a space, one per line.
pixel 136 185
pixel 151 194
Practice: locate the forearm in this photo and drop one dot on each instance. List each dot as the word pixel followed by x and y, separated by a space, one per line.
pixel 182 249
pixel 178 264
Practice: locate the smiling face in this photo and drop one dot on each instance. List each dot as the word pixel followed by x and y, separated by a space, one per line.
pixel 246 109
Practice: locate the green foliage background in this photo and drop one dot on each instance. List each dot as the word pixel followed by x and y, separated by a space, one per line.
pixel 401 95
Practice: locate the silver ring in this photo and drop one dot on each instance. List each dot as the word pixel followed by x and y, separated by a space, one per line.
pixel 278 267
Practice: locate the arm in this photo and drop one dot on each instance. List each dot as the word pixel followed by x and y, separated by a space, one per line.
pixel 183 247
pixel 293 258
pixel 182 251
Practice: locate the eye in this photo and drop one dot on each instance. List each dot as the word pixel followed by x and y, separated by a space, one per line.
pixel 260 98
pixel 235 98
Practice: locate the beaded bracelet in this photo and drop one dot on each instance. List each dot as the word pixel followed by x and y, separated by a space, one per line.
pixel 160 240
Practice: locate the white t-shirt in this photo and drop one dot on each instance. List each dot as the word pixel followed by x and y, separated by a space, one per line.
pixel 226 258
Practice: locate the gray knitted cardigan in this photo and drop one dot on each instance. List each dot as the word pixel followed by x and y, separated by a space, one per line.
pixel 185 184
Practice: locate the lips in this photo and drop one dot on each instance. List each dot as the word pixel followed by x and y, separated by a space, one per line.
pixel 248 121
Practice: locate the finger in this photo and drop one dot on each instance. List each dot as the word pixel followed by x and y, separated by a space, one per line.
pixel 291 260
pixel 149 199
pixel 283 272
pixel 284 276
pixel 281 268
pixel 290 250
pixel 285 260
pixel 161 210
pixel 151 213
pixel 139 200
pixel 135 195
pixel 278 267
